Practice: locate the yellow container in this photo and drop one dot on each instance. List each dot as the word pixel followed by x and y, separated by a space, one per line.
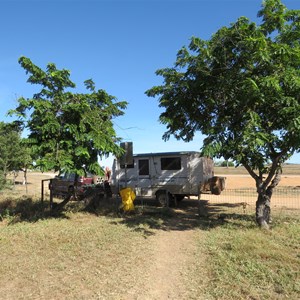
pixel 128 196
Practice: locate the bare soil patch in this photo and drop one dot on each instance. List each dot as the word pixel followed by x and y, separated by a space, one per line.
pixel 246 181
pixel 173 253
pixel 34 183
pixel 238 178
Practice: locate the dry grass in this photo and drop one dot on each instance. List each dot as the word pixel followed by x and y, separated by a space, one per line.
pixel 100 254
pixel 75 255
pixel 88 255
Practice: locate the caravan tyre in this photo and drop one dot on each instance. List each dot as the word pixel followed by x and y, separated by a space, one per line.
pixel 217 184
pixel 179 197
pixel 163 198
pixel 216 190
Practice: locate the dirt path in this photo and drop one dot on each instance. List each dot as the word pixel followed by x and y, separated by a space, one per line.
pixel 172 256
pixel 171 271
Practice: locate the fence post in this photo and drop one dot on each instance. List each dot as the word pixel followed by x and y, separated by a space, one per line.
pixel 42 192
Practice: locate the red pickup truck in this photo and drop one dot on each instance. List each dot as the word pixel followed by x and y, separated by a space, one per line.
pixel 64 183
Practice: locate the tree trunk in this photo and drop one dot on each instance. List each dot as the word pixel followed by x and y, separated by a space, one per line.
pixel 265 190
pixel 25 180
pixel 263 204
pixel 263 210
pixel 15 175
pixel 61 205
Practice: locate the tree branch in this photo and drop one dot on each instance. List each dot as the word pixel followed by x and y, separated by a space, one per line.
pixel 251 172
pixel 274 170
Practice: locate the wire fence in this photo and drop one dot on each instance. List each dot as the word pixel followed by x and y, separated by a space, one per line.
pixel 244 200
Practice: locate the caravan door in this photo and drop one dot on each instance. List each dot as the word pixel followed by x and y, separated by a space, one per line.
pixel 144 187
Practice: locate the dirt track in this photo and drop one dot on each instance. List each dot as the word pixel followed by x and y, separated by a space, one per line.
pixel 172 248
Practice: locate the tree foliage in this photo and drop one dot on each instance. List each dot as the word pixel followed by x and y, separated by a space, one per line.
pixel 67 131
pixel 241 89
pixel 12 152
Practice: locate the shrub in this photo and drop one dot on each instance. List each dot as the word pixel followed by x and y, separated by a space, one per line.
pixel 227 163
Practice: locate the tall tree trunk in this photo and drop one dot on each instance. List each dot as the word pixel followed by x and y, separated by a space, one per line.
pixel 263 203
pixel 263 209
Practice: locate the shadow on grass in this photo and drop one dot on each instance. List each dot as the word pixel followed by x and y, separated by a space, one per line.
pixel 21 183
pixel 189 214
pixel 26 209
pixel 147 216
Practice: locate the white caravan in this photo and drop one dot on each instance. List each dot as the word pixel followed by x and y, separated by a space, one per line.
pixel 166 176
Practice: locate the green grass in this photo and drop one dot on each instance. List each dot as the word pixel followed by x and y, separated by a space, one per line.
pixel 244 262
pixel 101 254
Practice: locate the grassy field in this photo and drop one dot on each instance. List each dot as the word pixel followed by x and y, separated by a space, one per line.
pixel 100 254
pixel 247 263
pixel 83 253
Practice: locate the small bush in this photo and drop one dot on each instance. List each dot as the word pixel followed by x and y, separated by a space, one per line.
pixel 227 164
pixel 4 182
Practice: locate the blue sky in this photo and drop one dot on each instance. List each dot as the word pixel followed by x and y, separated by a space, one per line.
pixel 119 44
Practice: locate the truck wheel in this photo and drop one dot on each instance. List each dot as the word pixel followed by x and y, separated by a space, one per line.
pixel 163 198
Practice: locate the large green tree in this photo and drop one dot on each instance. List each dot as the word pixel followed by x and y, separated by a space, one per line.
pixel 67 131
pixel 241 89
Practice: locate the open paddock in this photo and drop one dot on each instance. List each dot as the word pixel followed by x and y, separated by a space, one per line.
pixel 242 201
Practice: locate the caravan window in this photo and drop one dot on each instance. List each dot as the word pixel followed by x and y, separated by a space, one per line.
pixel 128 166
pixel 170 163
pixel 143 167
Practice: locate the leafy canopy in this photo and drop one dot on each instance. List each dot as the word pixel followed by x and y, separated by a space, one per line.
pixel 241 89
pixel 67 131
pixel 12 152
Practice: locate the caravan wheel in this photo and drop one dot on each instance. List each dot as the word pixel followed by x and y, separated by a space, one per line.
pixel 163 198
pixel 179 197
